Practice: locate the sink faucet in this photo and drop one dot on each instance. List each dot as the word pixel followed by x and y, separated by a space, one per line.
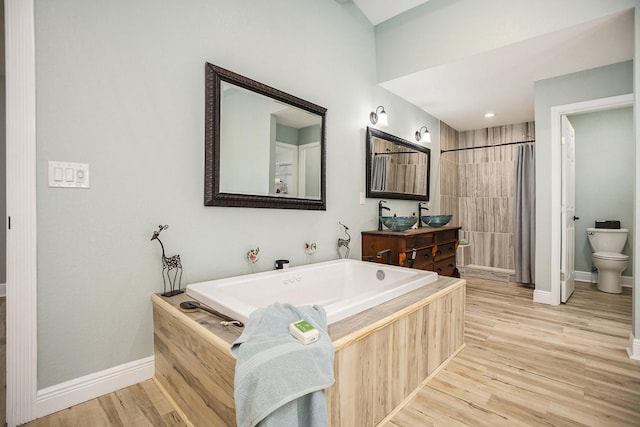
pixel 380 208
pixel 420 209
pixel 385 251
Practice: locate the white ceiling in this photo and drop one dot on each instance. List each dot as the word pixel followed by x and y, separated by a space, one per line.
pixel 501 81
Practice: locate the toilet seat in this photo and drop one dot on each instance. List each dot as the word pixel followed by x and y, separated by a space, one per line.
pixel 612 256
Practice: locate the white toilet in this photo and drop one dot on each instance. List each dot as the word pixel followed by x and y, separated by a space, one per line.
pixel 607 245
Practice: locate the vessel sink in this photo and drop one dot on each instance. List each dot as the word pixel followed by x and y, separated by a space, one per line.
pixel 398 223
pixel 435 220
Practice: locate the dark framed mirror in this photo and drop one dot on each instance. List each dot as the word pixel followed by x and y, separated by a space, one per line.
pixel 264 148
pixel 396 168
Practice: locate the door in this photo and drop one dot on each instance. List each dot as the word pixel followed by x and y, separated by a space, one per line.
pixel 568 208
pixel 309 172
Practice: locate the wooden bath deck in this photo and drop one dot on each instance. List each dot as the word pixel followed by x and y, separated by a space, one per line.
pixel 382 355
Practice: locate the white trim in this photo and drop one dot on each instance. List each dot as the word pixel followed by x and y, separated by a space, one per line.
pixel 22 336
pixel 634 348
pixel 586 276
pixel 61 396
pixel 556 174
pixel 592 277
pixel 542 297
pixel 3 290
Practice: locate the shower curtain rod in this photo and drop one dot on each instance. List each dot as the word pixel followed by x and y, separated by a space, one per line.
pixel 395 152
pixel 488 146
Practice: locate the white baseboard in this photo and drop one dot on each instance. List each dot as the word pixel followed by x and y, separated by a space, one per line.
pixel 592 277
pixel 543 297
pixel 634 347
pixel 3 290
pixel 61 396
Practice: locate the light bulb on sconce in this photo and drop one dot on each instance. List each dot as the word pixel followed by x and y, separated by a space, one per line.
pixel 379 117
pixel 425 137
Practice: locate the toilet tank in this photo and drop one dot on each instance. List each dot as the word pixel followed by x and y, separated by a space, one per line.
pixel 607 240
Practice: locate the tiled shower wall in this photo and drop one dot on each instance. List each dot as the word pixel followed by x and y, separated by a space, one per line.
pixel 449 174
pixel 477 186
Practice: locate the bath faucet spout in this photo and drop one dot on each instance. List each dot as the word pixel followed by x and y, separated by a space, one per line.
pixel 385 251
pixel 412 257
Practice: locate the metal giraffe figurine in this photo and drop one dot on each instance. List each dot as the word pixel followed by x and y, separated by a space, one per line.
pixel 168 264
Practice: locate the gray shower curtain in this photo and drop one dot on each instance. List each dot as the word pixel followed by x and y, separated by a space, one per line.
pixel 380 172
pixel 524 233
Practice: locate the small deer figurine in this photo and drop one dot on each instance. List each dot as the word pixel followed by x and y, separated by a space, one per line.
pixel 344 242
pixel 168 264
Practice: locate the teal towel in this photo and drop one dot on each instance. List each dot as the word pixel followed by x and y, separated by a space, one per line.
pixel 278 380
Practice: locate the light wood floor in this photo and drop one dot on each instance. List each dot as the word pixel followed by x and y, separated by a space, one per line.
pixel 524 364
pixel 528 364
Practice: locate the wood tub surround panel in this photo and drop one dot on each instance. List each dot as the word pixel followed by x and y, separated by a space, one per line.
pixel 376 367
pixel 435 248
pixel 407 352
pixel 195 369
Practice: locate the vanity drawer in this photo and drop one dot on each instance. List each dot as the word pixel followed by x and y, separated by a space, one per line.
pixel 424 264
pixel 446 267
pixel 447 236
pixel 445 251
pixel 419 241
pixel 424 258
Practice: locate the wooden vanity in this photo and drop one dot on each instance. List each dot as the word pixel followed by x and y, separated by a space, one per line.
pixel 435 248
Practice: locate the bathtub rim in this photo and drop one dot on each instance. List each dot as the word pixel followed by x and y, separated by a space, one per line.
pixel 336 312
pixel 342 333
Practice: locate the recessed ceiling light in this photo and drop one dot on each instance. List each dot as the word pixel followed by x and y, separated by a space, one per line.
pixel 489 115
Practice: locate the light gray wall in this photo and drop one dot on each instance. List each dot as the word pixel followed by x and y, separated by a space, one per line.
pixel 404 125
pixel 611 80
pixel 605 176
pixel 120 86
pixel 442 31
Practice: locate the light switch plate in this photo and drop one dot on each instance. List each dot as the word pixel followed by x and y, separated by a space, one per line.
pixel 68 175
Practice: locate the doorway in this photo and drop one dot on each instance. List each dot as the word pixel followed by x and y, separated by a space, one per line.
pixel 605 167
pixel 557 112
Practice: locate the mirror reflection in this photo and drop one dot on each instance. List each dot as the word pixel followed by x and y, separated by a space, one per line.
pixel 263 147
pixel 396 168
pixel 256 127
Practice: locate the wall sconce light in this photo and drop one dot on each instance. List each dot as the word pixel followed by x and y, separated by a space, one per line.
pixel 426 136
pixel 379 117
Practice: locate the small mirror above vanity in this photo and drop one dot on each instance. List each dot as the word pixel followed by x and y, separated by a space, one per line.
pixel 264 148
pixel 396 168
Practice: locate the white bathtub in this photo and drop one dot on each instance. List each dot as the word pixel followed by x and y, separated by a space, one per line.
pixel 343 287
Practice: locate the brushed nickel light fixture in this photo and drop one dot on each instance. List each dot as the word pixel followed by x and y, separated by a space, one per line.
pixel 379 117
pixel 423 136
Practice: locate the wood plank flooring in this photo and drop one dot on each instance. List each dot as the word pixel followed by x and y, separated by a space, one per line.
pixel 528 364
pixel 524 364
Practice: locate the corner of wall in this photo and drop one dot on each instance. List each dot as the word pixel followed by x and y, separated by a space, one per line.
pixel 542 297
pixel 634 347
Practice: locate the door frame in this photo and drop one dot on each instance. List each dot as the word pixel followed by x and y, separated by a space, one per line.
pixel 557 112
pixel 22 337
